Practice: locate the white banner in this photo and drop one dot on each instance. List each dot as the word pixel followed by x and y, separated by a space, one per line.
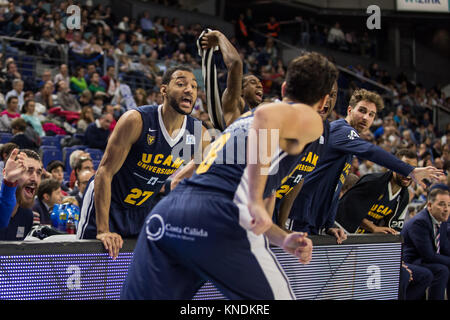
pixel 423 5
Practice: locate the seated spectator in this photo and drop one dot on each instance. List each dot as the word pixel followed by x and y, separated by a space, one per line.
pixel 95 85
pixel 28 114
pixel 98 105
pixel 17 91
pixel 115 111
pixel 56 169
pixel 11 74
pixel 8 115
pixel 426 242
pixel 22 176
pixel 77 82
pixel 73 160
pixel 93 48
pixel 63 75
pixel 14 27
pixel 97 133
pixel 46 76
pixel 66 100
pixel 78 45
pixel 5 150
pixel 85 98
pixel 18 127
pixel 83 163
pixel 86 118
pixel 110 80
pixel 140 96
pixel 146 24
pixel 80 186
pixel 48 194
pixel 45 95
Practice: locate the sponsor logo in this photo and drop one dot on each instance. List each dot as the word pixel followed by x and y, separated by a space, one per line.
pixel 156 229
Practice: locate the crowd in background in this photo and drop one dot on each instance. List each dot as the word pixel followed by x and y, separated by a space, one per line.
pixel 117 62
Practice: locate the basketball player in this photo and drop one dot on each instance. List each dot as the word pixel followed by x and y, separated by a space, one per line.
pixel 137 161
pixel 292 184
pixel 243 93
pixel 315 207
pixel 216 225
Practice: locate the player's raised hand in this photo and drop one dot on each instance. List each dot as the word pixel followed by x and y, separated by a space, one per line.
pixel 112 242
pixel 261 221
pixel 430 173
pixel 210 39
pixel 15 166
pixel 299 245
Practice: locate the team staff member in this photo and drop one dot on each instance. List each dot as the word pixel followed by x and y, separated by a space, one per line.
pixel 426 242
pixel 211 226
pixel 315 207
pixel 137 161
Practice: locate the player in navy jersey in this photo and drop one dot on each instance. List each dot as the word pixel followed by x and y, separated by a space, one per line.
pixel 292 183
pixel 216 225
pixel 315 207
pixel 147 145
pixel 243 92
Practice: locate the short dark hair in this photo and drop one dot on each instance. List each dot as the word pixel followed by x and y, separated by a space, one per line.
pixel 434 193
pixel 80 162
pixel 19 124
pixel 169 72
pixel 31 154
pixel 7 148
pixel 47 186
pixel 404 152
pixel 309 78
pixel 54 164
pixel 11 98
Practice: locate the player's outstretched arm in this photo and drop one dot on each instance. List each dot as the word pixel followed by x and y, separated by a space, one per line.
pixel 232 103
pixel 125 134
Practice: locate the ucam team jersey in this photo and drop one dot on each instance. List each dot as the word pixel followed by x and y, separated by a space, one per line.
pixel 225 167
pixel 316 204
pixel 153 158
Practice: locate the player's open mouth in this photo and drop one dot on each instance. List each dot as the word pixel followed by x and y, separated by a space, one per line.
pixel 324 110
pixel 259 96
pixel 186 102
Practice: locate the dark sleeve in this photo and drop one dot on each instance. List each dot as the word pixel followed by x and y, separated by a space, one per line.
pixel 346 140
pixel 7 204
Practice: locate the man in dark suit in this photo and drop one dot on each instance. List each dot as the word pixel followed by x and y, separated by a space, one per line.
pixel 426 241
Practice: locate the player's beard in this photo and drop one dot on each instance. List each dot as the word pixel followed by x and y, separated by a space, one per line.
pixel 23 203
pixel 400 182
pixel 174 104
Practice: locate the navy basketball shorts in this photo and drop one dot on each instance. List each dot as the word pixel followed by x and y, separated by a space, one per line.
pixel 127 222
pixel 194 235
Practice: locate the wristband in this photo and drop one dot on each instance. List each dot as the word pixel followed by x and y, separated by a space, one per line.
pixel 10 184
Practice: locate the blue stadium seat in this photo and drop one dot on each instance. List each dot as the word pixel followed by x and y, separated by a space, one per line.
pixel 96 154
pixel 51 141
pixel 96 163
pixel 5 137
pixel 50 154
